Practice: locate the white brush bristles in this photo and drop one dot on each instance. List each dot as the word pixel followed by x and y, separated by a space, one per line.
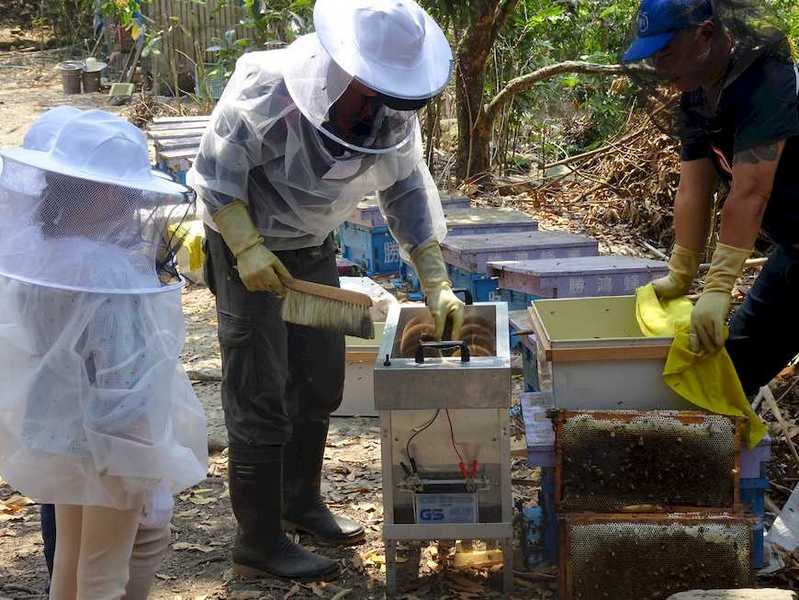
pixel 323 313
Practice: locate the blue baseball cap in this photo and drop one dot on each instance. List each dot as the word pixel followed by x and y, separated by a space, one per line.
pixel 659 20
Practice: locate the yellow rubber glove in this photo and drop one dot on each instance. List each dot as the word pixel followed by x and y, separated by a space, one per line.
pixel 709 317
pixel 683 265
pixel 259 269
pixel 444 305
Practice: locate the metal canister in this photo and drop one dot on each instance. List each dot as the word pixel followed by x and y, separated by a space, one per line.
pixel 71 71
pixel 91 75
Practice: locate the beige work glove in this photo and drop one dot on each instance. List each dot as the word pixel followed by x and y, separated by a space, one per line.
pixel 259 269
pixel 683 266
pixel 709 317
pixel 444 305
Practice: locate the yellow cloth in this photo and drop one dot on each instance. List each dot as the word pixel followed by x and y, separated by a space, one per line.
pixel 193 235
pixel 708 381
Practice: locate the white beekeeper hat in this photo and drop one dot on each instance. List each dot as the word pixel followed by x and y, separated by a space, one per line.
pixel 392 46
pixel 93 145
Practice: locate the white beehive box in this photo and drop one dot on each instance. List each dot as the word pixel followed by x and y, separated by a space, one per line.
pixel 592 355
pixel 359 379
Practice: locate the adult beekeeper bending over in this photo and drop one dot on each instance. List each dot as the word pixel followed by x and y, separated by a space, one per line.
pixel 738 125
pixel 298 138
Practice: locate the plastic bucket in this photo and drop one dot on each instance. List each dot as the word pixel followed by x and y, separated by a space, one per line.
pixel 71 76
pixel 91 81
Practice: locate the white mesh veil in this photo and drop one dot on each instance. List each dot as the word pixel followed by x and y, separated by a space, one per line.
pixel 315 83
pixel 74 234
pixel 81 210
pixel 70 233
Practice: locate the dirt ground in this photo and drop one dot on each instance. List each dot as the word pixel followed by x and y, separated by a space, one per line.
pixel 198 564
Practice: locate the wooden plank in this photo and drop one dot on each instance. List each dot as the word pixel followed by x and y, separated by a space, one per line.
pixel 178 125
pixel 175 134
pixel 607 353
pixel 167 144
pixel 187 153
pixel 200 118
pixel 361 357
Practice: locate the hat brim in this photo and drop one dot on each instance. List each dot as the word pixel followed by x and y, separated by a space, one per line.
pixel 99 67
pixel 45 161
pixel 427 79
pixel 644 47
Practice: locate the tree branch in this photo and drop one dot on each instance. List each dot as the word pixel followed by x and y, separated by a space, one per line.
pixel 525 82
pixel 501 14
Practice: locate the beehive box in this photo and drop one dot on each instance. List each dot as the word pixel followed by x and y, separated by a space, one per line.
pixel 482 220
pixel 593 356
pixel 637 557
pixel 358 400
pixel 368 214
pixel 373 249
pixel 472 253
pixel 577 277
pixel 176 141
pixel 482 225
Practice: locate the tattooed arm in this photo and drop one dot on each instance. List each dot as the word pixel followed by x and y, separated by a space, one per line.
pixel 753 173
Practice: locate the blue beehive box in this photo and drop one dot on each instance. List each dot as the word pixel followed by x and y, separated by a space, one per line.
pixel 524 343
pixel 467 257
pixel 368 214
pixel 753 495
pixel 365 239
pixel 372 248
pixel 581 277
pixel 754 483
pixel 472 253
pixel 486 220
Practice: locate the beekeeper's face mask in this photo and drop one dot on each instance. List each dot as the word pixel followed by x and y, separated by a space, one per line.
pixel 353 116
pixel 341 107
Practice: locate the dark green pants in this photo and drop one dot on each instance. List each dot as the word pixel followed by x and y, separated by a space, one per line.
pixel 275 375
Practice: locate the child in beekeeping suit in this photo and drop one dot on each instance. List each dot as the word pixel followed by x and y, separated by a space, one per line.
pixel 97 416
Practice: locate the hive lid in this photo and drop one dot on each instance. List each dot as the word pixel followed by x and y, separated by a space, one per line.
pixel 591 265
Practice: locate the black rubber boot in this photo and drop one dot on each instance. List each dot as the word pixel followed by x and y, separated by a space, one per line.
pixel 262 548
pixel 304 509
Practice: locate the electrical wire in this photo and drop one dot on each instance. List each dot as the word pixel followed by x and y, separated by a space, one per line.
pixel 416 432
pixel 452 437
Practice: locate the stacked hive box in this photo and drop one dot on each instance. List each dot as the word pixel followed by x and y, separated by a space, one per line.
pixel 481 224
pixel 648 504
pixel 574 277
pixel 467 258
pixel 521 282
pixel 648 497
pixel 176 141
pixel 365 239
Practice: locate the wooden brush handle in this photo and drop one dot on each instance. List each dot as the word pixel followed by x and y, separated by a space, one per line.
pixel 328 291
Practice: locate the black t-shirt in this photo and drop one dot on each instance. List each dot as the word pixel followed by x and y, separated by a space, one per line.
pixel 758 105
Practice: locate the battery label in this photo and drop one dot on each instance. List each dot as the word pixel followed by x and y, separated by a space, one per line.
pixel 446 508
